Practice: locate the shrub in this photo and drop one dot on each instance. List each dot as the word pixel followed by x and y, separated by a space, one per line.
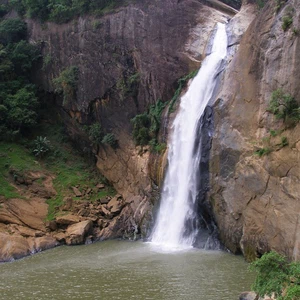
pixel 262 151
pixel 287 21
pixel 66 83
pixel 276 275
pixel 181 84
pixel 110 139
pixel 285 107
pixel 41 146
pixel 95 133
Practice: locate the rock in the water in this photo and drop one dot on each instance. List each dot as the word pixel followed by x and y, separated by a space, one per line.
pixel 13 247
pixel 76 233
pixel 248 296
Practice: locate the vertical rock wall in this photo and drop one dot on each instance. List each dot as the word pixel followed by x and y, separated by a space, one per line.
pixel 256 199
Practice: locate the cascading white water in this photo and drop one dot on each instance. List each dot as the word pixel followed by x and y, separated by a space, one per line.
pixel 179 190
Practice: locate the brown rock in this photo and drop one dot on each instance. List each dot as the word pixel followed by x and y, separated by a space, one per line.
pixel 60 236
pixel 44 243
pixel 68 203
pixel 67 219
pixel 76 191
pixel 100 186
pixel 115 205
pixel 30 212
pixel 51 225
pixel 76 233
pixel 105 200
pixel 13 247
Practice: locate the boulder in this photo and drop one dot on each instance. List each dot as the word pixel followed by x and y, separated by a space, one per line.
pixel 44 243
pixel 67 220
pixel 76 233
pixel 13 247
pixel 248 296
pixel 76 191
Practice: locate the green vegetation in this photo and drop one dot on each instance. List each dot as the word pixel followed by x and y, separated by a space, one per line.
pixel 262 151
pixel 41 146
pixel 66 83
pixel 181 84
pixel 110 140
pixel 14 158
pixel 18 101
pixel 146 125
pixel 287 21
pixel 95 133
pixel 261 3
pixel 60 11
pixel 284 107
pixel 279 4
pixel 128 86
pixel 276 275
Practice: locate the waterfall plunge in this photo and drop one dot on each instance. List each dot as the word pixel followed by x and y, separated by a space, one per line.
pixel 180 186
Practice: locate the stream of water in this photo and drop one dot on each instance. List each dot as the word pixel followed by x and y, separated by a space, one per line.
pixel 124 270
pixel 179 193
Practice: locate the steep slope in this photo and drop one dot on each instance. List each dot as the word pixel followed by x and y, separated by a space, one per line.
pixel 256 197
pixel 126 61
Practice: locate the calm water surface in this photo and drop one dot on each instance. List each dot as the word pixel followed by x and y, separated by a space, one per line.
pixel 125 270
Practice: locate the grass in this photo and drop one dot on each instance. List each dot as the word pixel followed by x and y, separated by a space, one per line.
pixel 64 162
pixel 14 157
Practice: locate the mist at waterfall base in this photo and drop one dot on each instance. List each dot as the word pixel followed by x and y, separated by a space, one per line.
pixel 179 223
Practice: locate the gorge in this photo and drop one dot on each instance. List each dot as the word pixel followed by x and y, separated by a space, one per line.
pixel 128 60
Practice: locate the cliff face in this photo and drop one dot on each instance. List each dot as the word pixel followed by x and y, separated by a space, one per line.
pixel 256 199
pixel 127 60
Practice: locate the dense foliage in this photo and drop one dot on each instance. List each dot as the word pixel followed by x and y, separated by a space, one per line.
pixel 147 124
pixel 18 101
pixel 59 11
pixel 276 275
pixel 66 83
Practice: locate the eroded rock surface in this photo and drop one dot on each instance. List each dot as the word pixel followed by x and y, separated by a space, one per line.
pixel 256 199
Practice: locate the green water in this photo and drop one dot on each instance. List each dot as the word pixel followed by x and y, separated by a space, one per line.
pixel 125 270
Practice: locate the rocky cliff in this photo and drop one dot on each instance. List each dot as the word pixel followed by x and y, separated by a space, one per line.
pixel 126 60
pixel 131 58
pixel 256 197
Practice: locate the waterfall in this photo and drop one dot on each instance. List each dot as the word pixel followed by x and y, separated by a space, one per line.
pixel 175 225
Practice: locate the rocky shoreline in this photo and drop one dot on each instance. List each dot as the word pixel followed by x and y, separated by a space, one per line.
pixel 24 229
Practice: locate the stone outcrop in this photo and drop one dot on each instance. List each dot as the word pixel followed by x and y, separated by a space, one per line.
pixel 127 60
pixel 256 199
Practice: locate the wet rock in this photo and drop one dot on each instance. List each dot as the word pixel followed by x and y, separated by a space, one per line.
pixel 76 233
pixel 60 237
pixel 13 247
pixel 248 296
pixel 44 243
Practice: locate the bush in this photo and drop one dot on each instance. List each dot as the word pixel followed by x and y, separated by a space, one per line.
pixel 110 139
pixel 66 83
pixel 95 133
pixel 41 146
pixel 181 84
pixel 287 21
pixel 262 151
pixel 285 107
pixel 276 275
